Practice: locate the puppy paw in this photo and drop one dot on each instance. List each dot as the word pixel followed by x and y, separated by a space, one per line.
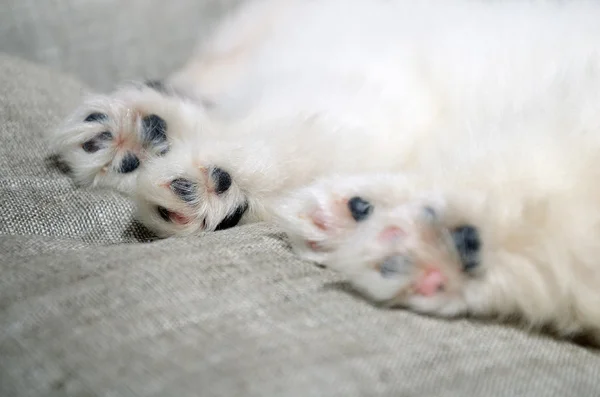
pixel 108 138
pixel 321 217
pixel 185 193
pixel 393 243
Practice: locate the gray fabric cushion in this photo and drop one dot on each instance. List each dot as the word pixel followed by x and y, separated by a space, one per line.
pixel 105 42
pixel 89 307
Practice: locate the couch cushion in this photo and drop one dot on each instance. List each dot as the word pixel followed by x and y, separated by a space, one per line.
pixel 108 41
pixel 91 305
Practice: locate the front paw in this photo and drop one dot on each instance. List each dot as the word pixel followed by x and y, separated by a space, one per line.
pixel 184 193
pixel 108 138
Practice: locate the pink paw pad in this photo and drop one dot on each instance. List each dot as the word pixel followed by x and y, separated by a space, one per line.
pixel 319 219
pixel 391 234
pixel 431 282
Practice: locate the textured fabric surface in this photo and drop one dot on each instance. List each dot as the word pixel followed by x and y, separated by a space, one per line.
pixel 89 306
pixel 106 41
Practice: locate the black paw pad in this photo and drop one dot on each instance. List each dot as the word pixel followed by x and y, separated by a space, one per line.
pixel 97 142
pixel 129 163
pixel 163 213
pixel 154 129
pixel 430 215
pixel 359 208
pixel 233 218
pixel 395 265
pixel 468 243
pixel 91 146
pixel 184 188
pixel 96 117
pixel 222 180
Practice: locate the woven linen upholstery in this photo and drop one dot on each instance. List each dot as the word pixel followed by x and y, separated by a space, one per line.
pixel 92 305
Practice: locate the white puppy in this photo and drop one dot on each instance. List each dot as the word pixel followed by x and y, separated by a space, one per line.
pixel 442 154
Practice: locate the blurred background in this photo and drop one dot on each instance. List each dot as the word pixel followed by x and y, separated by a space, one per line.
pixel 103 42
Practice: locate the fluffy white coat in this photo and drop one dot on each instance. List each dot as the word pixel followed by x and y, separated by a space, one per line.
pixel 487 113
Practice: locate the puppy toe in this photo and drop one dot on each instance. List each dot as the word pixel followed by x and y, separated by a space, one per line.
pixel 468 245
pixel 185 189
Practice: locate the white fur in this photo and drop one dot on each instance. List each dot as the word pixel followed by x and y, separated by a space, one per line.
pixel 487 111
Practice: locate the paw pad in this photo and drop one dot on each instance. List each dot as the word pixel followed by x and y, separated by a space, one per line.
pixel 430 283
pixel 163 213
pixel 171 216
pixel 395 265
pixel 96 143
pixel 129 163
pixel 154 129
pixel 222 180
pixel 233 218
pixel 184 188
pixel 430 215
pixel 391 234
pixel 359 208
pixel 468 243
pixel 96 117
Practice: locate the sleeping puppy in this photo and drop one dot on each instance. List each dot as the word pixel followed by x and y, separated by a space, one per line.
pixel 441 154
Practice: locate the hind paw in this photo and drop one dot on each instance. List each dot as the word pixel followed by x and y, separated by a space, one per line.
pixel 395 244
